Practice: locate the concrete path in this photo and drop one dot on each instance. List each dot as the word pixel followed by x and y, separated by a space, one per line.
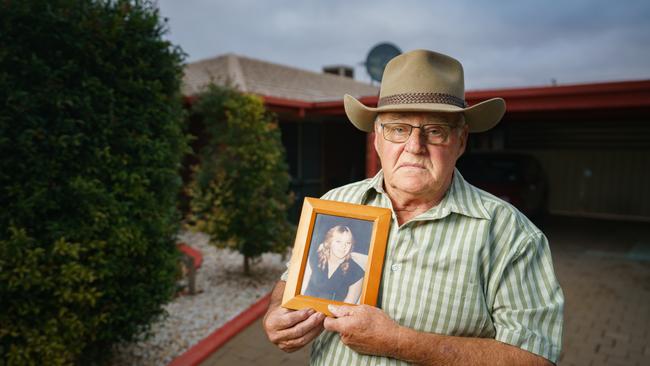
pixel 604 269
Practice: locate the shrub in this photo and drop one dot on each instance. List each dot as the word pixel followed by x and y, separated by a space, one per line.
pixel 91 140
pixel 239 191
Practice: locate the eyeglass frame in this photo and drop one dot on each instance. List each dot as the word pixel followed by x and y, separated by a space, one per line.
pixel 421 127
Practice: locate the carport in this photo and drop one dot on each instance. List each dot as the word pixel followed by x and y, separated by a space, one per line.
pixel 592 140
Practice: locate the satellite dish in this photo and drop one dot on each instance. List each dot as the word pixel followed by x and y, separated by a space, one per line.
pixel 378 57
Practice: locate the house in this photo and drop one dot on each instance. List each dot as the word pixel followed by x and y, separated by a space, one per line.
pixel 593 140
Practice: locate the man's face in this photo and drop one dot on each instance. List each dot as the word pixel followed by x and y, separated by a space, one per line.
pixel 416 167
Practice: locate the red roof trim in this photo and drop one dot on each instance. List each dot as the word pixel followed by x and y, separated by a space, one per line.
pixel 623 94
pixel 595 88
pixel 282 102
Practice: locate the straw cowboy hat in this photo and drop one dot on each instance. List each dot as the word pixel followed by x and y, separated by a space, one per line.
pixel 425 81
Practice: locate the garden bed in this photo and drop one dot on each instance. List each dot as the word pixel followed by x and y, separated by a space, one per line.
pixel 223 292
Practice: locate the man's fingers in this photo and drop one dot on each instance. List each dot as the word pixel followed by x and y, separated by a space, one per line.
pixel 290 318
pixel 297 343
pixel 313 333
pixel 299 330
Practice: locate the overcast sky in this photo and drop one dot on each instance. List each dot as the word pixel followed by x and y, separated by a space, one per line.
pixel 507 43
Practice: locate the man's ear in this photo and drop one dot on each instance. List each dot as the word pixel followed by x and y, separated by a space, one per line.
pixel 376 142
pixel 463 141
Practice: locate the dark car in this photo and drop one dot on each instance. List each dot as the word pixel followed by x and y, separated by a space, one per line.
pixel 514 177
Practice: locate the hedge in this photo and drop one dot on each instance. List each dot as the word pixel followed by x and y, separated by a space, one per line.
pixel 91 139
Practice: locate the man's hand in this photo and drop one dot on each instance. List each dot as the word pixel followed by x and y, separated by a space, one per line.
pixel 369 330
pixel 365 329
pixel 290 330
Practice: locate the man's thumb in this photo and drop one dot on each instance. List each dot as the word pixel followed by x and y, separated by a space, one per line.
pixel 339 310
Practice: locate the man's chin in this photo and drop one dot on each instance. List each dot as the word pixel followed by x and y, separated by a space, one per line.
pixel 413 186
pixel 413 177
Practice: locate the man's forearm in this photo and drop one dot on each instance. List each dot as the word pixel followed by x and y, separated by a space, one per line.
pixel 433 349
pixel 276 294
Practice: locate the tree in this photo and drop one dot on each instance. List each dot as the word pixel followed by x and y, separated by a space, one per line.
pixel 91 139
pixel 239 190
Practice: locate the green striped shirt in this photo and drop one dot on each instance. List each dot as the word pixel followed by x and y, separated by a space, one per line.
pixel 472 266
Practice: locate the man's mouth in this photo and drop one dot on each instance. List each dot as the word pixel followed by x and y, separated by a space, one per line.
pixel 411 165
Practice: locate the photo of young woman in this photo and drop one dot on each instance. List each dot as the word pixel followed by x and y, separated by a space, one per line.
pixel 335 270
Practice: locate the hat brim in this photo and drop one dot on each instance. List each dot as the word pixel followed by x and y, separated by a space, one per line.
pixel 479 117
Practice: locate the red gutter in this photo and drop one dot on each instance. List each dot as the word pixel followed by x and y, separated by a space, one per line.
pixel 188 100
pixel 595 88
pixel 283 102
pixel 623 94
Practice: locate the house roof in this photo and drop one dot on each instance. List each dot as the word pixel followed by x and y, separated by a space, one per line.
pixel 300 92
pixel 271 80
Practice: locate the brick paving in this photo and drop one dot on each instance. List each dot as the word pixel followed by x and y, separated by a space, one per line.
pixel 604 270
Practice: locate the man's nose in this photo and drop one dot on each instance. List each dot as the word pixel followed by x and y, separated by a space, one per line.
pixel 416 142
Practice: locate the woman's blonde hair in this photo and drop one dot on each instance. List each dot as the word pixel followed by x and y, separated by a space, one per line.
pixel 324 249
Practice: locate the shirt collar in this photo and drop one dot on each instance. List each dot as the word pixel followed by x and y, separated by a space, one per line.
pixel 465 199
pixel 461 198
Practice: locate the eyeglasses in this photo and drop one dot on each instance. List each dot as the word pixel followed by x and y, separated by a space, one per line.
pixel 436 134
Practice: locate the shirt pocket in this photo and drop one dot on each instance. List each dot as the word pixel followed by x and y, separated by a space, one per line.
pixel 454 303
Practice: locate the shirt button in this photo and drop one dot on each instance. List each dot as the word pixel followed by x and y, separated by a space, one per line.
pixel 395 267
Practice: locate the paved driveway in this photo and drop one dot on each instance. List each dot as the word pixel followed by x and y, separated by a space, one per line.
pixel 604 269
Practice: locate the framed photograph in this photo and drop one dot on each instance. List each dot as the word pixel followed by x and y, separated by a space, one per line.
pixel 338 255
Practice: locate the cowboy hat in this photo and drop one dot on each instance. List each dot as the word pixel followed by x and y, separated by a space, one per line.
pixel 425 81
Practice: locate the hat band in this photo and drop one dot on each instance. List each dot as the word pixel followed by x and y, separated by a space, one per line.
pixel 416 98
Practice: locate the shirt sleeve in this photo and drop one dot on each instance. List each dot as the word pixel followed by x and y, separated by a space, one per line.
pixel 529 303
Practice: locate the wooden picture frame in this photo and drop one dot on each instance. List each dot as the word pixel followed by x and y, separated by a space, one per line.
pixel 373 222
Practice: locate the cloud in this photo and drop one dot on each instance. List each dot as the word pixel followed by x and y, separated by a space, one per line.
pixel 501 44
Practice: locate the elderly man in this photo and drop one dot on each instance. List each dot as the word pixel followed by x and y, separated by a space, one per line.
pixel 468 279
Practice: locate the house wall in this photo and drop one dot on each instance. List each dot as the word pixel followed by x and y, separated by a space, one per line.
pixel 303 147
pixel 597 165
pixel 597 183
pixel 322 153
